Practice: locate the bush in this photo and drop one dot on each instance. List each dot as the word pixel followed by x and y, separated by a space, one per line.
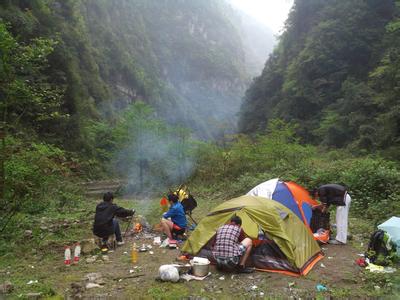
pixel 37 179
pixel 374 185
pixel 277 152
pixel 373 182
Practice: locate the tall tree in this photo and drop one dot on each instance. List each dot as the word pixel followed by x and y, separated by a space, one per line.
pixel 28 101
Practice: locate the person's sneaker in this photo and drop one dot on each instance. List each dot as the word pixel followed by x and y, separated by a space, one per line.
pixel 243 269
pixel 120 243
pixel 335 242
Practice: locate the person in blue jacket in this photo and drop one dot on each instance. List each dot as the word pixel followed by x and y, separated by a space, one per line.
pixel 174 220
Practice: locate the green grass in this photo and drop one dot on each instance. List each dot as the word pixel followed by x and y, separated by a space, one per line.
pixel 168 291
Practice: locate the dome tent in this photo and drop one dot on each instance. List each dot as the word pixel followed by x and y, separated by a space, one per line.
pixel 290 194
pixel 291 250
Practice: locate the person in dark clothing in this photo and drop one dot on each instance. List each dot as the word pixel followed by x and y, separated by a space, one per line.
pixel 105 224
pixel 335 194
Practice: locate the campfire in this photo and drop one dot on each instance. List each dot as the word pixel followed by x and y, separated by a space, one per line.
pixel 138 228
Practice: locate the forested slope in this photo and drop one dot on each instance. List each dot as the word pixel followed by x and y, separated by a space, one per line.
pixel 184 58
pixel 335 73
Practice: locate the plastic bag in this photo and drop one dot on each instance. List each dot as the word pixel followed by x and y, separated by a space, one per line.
pixel 168 273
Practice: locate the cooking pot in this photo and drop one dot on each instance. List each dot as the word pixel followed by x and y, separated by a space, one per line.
pixel 200 268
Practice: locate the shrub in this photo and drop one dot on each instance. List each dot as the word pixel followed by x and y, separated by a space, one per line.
pixel 37 178
pixel 374 185
pixel 373 182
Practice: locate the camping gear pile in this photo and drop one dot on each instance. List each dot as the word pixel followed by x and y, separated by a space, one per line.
pixel 198 269
pixel 384 244
pixel 392 228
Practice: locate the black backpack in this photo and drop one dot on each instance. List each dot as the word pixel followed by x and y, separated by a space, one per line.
pixel 189 204
pixel 377 251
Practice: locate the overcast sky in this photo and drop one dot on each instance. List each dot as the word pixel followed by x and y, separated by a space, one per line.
pixel 272 13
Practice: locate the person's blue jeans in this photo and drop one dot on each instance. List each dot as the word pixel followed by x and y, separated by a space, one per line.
pixel 117 232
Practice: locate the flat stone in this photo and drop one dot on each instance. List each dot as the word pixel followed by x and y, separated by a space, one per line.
pixel 92 285
pixel 105 258
pixel 91 259
pixel 93 277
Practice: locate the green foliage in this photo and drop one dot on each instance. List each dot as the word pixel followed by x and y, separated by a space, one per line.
pixel 277 152
pixel 28 96
pixel 38 179
pixel 30 171
pixel 335 73
pixel 373 182
pixel 33 173
pixel 109 54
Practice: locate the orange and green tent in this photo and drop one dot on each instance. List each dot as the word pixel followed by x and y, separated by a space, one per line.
pixel 290 248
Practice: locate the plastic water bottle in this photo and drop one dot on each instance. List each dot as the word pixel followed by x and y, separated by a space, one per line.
pixel 134 254
pixel 67 256
pixel 77 253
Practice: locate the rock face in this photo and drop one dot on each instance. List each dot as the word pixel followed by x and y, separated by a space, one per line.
pixel 88 246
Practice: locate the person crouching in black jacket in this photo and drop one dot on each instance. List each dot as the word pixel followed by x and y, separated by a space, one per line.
pixel 105 224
